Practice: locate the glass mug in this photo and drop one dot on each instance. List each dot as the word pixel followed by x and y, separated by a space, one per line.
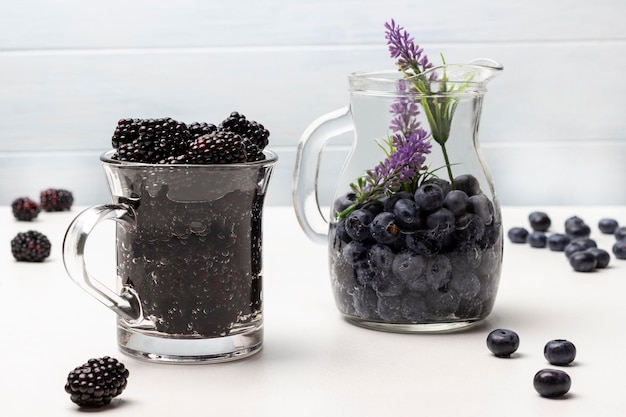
pixel 188 243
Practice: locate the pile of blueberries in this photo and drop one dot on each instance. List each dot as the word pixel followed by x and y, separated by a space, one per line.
pixel 581 251
pixel 429 256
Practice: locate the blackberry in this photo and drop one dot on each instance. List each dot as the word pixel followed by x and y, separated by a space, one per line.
pixel 150 141
pixel 56 199
pixel 256 132
pixel 30 246
pixel 96 382
pixel 220 147
pixel 200 129
pixel 25 209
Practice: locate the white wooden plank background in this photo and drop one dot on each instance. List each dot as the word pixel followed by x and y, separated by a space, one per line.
pixel 553 129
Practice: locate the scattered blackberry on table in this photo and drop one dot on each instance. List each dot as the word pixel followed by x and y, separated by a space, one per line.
pixel 31 246
pixel 219 147
pixel 56 199
pixel 25 209
pixel 96 382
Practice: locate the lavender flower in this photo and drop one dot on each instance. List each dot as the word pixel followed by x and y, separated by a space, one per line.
pixel 402 47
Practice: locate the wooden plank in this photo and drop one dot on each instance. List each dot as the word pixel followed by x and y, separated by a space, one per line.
pixel 43 24
pixel 531 174
pixel 61 101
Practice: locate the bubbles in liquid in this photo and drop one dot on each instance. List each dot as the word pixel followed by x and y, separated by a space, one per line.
pixel 197 227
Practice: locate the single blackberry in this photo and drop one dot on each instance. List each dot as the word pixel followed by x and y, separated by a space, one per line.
pixel 250 129
pixel 221 147
pixel 25 209
pixel 150 141
pixel 126 131
pixel 96 382
pixel 54 199
pixel 200 129
pixel 30 246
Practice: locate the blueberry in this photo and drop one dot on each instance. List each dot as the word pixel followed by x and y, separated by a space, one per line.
pixel 409 267
pixel 380 257
pixel 602 257
pixel 344 201
pixel 586 242
pixel 354 253
pixel 539 221
pixel 445 185
pixel 469 229
pixel 551 383
pixel 357 224
pixel 558 241
pixel 456 201
pixel 480 205
pixel 390 308
pixel 407 214
pixel 503 342
pixel 583 261
pixel 573 247
pixel 518 234
pixel 537 239
pixel 575 227
pixel 607 226
pixel 439 272
pixel 340 231
pixel 559 352
pixel 441 223
pixel 429 197
pixel 390 202
pixel 619 249
pixel 384 228
pixel 620 233
pixel 467 183
pixel 420 243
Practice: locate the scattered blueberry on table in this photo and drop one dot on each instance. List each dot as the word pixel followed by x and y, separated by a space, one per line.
pixel 552 383
pixel 503 342
pixel 559 352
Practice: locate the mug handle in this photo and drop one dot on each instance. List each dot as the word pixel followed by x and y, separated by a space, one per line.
pixel 305 192
pixel 126 304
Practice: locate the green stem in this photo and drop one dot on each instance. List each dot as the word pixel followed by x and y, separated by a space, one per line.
pixel 447 161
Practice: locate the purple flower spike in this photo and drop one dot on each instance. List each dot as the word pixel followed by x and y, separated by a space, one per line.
pixel 403 48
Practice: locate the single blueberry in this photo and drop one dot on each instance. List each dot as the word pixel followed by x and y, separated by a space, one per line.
pixel 620 233
pixel 380 257
pixel 354 253
pixel 537 240
pixel 344 201
pixel 467 183
pixel 456 202
pixel 441 222
pixel 558 241
pixel 420 243
pixel 503 342
pixel 552 383
pixel 586 242
pixel 575 227
pixel 340 231
pixel 573 247
pixel 391 201
pixel 384 228
pixel 480 205
pixel 559 352
pixel 469 229
pixel 439 272
pixel 539 221
pixel 429 197
pixel 619 249
pixel 390 308
pixel 408 266
pixel 407 214
pixel 602 257
pixel 583 261
pixel 518 234
pixel 357 224
pixel 445 185
pixel 608 226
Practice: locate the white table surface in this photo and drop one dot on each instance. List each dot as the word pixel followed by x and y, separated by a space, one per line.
pixel 313 362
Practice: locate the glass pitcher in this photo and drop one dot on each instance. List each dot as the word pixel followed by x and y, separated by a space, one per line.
pixel 414 233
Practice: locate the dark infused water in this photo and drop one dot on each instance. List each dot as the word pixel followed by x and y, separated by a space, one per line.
pixel 195 262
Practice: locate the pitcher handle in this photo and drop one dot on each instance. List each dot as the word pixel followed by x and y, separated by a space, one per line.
pixel 126 304
pixel 305 191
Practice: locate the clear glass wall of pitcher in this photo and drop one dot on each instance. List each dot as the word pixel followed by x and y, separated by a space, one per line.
pixel 415 231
